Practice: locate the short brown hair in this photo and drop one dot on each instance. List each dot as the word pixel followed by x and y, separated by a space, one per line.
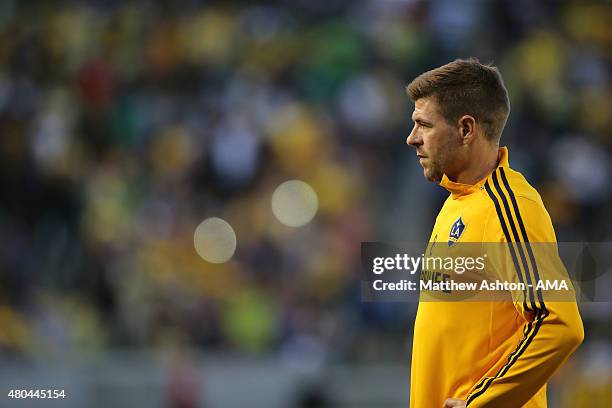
pixel 466 87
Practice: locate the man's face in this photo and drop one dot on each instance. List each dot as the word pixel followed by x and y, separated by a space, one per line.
pixel 435 141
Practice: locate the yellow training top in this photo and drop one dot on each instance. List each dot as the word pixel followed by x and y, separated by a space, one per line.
pixel 493 354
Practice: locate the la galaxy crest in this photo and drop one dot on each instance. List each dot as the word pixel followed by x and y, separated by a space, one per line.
pixel 456 232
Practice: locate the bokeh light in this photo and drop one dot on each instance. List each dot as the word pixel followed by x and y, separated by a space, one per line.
pixel 294 203
pixel 215 240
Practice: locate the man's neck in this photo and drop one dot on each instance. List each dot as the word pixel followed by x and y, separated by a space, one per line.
pixel 478 169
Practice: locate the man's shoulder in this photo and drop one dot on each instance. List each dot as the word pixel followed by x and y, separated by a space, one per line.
pixel 528 209
pixel 518 188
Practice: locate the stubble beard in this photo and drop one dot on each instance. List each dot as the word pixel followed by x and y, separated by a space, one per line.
pixel 433 172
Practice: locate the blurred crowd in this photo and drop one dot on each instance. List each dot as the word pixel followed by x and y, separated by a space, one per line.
pixel 123 125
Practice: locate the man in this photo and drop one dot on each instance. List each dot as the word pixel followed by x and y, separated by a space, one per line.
pixel 482 354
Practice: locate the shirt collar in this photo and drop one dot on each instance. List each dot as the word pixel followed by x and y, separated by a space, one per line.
pixel 459 189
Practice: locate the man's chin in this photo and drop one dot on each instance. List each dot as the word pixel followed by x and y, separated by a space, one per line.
pixel 432 176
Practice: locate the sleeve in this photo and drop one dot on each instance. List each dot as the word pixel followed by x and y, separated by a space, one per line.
pixel 552 329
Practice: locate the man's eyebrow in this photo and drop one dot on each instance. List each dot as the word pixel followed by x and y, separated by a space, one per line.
pixel 421 121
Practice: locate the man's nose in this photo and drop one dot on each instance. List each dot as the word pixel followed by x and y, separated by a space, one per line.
pixel 412 138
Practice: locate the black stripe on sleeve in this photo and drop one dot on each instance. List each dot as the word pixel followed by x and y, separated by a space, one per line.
pixel 487 380
pixel 524 233
pixel 540 314
pixel 500 215
pixel 517 238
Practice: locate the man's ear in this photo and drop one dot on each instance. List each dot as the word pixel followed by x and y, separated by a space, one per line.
pixel 467 128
